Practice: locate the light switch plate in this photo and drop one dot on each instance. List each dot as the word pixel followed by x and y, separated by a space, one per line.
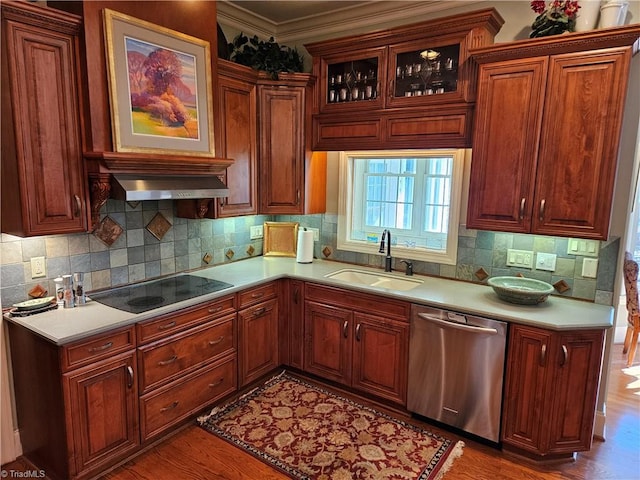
pixel 590 267
pixel 256 231
pixel 519 258
pixel 580 246
pixel 546 261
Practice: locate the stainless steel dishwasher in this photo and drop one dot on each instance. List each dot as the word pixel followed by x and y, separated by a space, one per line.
pixel 456 368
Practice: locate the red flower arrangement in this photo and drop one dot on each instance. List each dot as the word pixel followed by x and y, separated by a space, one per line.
pixel 559 16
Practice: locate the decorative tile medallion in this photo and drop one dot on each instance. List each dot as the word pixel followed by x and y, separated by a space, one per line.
pixel 561 286
pixel 326 251
pixel 207 258
pixel 230 253
pixel 133 205
pixel 158 226
pixel 108 231
pixel 250 250
pixel 481 274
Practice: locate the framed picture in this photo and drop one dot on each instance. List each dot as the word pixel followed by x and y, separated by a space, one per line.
pixel 159 88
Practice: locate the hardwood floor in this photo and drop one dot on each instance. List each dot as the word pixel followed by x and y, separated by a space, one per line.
pixel 194 454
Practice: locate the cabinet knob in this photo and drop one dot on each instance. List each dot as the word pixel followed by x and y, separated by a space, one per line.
pixel 543 355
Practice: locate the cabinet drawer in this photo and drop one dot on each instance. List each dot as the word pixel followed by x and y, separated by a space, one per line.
pixel 357 301
pixel 441 129
pixel 346 133
pixel 168 406
pixel 96 348
pixel 177 321
pixel 163 361
pixel 255 295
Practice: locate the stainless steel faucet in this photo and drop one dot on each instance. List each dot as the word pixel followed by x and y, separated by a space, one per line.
pixel 387 260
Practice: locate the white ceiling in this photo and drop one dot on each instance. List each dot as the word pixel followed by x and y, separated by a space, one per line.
pixel 283 11
pixel 291 20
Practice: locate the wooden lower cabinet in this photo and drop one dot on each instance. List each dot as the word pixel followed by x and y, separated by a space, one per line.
pixel 76 405
pixel 359 340
pixel 258 332
pixel 88 405
pixel 291 327
pixel 103 412
pixel 551 390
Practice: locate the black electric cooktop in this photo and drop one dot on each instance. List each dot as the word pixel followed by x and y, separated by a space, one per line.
pixel 146 296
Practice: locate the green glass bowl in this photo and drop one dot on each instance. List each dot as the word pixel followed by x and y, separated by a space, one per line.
pixel 521 290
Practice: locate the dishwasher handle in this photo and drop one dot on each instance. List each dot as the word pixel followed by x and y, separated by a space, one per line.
pixel 458 326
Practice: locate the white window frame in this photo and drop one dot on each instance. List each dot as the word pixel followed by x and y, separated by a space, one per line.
pixel 345 210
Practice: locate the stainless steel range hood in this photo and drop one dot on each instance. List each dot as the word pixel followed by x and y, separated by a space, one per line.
pixel 132 188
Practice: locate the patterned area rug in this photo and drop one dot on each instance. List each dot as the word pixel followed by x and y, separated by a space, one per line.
pixel 310 433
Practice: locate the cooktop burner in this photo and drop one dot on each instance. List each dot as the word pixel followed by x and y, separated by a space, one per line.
pixel 146 296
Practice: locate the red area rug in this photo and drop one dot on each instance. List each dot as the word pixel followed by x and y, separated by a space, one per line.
pixel 310 433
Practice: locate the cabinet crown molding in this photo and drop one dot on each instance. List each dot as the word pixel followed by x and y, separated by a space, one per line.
pixel 558 44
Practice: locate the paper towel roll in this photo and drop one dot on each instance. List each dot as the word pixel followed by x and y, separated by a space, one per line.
pixel 304 252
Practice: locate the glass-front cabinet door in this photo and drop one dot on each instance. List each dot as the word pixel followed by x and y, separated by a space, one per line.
pixel 349 83
pixel 427 70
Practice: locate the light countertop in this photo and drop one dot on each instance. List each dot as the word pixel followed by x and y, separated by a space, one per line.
pixel 63 326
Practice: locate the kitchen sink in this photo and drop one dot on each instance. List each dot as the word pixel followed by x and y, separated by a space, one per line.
pixel 372 279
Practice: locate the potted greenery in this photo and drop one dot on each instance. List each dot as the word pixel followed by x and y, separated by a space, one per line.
pixel 268 56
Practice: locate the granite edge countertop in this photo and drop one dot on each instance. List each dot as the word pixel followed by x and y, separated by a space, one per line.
pixel 63 326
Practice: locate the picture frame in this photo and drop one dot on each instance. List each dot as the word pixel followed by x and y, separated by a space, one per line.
pixel 170 113
pixel 280 239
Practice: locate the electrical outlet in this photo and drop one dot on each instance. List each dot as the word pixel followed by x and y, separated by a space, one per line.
pixel 38 267
pixel 256 231
pixel 316 233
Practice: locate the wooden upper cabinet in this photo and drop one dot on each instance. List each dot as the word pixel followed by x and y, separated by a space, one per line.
pixel 547 129
pixel 238 124
pixel 292 178
pixel 281 149
pixel 379 90
pixel 43 177
pixel 509 95
pixel 579 143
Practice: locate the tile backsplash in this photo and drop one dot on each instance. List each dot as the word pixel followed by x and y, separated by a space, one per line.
pixel 137 254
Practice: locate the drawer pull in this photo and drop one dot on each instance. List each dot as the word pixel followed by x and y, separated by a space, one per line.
pixel 167 325
pixel 162 363
pixel 170 407
pixel 543 355
pixel 129 376
pixel 215 384
pixel 216 341
pixel 259 311
pixel 101 348
pixel 565 355
pixel 216 309
pixel 257 295
pixel 78 206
